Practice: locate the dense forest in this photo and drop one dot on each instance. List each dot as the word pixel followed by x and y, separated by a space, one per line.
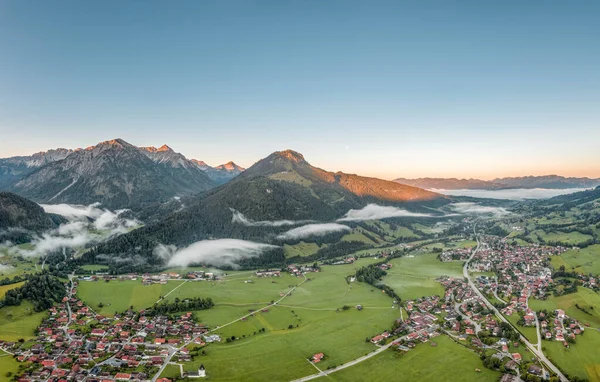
pixel 43 290
pixel 21 218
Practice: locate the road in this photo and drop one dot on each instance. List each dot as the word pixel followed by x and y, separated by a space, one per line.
pixel 538 353
pixel 69 294
pixel 353 362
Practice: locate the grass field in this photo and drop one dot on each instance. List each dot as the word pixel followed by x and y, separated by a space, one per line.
pixel 357 235
pixel 447 361
pixel 5 288
pixel 582 359
pixel 118 296
pixel 528 331
pixel 19 321
pixel 399 231
pixel 301 249
pixel 573 238
pixel 413 277
pixel 280 352
pixel 584 297
pixel 585 260
pixel 7 365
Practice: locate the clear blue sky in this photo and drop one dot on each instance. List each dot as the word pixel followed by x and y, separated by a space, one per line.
pixel 387 89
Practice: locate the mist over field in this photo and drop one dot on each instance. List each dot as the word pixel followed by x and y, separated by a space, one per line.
pixel 375 212
pixel 313 230
pixel 220 252
pixel 468 208
pixel 512 194
pixel 239 218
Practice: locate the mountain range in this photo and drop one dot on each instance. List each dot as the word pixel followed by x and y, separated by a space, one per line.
pixel 544 181
pixel 282 186
pixel 114 173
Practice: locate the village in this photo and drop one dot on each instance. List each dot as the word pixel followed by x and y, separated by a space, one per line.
pixel 75 343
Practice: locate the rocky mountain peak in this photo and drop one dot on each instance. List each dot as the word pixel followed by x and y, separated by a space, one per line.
pixel 290 155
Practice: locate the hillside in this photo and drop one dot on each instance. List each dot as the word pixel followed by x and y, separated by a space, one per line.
pixel 19 217
pixel 116 174
pixel 282 186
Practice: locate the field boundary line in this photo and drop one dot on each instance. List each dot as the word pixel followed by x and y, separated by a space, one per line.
pixel 172 290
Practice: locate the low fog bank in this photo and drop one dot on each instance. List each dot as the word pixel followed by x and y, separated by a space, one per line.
pixel 218 253
pixel 313 230
pixel 512 194
pixel 469 208
pixel 375 212
pixel 239 218
pixel 86 224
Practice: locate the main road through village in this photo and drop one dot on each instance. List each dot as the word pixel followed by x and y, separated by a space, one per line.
pixel 535 350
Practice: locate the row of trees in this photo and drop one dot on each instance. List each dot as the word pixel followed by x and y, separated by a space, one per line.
pixel 178 305
pixel 372 274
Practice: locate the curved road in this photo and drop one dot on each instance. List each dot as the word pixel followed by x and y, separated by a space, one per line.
pixel 538 353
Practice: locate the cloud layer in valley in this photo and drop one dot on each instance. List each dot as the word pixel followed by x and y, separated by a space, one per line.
pixel 221 252
pixel 86 224
pixel 375 212
pixel 469 208
pixel 238 217
pixel 511 194
pixel 313 230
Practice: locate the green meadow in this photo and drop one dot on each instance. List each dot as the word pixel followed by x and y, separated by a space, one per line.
pixel 581 359
pixel 413 277
pixel 585 298
pixel 301 249
pixel 528 331
pixel 19 321
pixel 585 260
pixel 447 361
pixel 118 296
pixel 7 365
pixel 5 288
pixel 309 321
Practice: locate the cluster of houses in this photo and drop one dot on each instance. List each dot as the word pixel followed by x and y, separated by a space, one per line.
pixel 74 343
pixel 456 254
pixel 347 260
pixel 521 271
pixel 300 270
pixel 149 279
pixel 268 273
pixel 557 326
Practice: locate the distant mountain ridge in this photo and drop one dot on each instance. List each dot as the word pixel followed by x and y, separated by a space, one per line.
pixel 545 181
pixel 107 172
pixel 451 183
pixel 15 168
pixel 548 181
pixel 116 174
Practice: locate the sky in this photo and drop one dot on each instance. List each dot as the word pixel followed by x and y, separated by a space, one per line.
pixel 388 89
